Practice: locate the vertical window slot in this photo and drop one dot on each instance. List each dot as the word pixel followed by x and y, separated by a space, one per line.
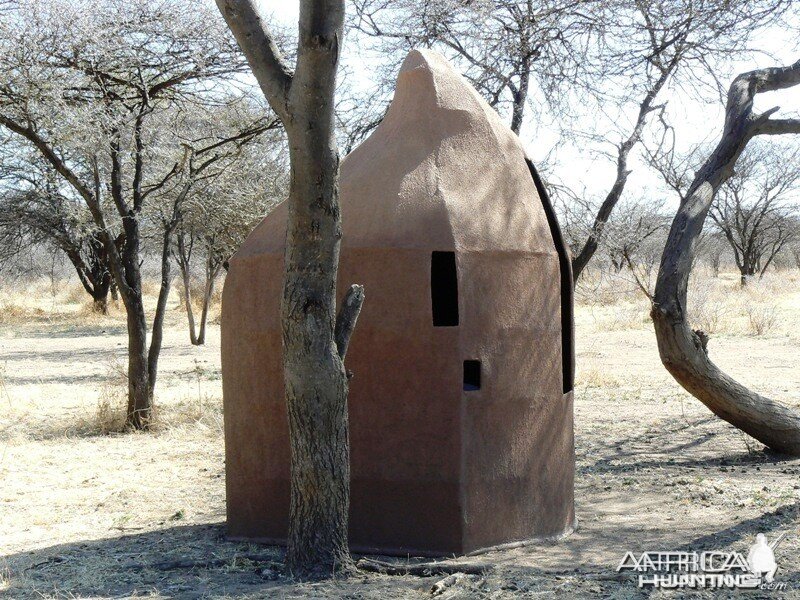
pixel 444 289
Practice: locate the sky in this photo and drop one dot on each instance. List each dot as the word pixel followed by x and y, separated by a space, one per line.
pixel 581 167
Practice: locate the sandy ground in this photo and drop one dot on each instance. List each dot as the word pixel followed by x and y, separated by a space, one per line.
pixel 87 514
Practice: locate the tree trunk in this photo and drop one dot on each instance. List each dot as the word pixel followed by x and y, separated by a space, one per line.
pixel 715 264
pixel 140 391
pixel 208 293
pixel 161 308
pixel 140 399
pixel 100 305
pixel 316 383
pixel 746 270
pixel 100 293
pixel 187 295
pixel 313 346
pixel 520 98
pixel 184 259
pixel 94 276
pixel 684 352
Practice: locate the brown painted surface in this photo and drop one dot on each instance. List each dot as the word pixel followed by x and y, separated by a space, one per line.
pixel 435 469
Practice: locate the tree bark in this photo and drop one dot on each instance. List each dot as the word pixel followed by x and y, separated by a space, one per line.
pixel 161 309
pixel 520 98
pixel 211 278
pixel 315 378
pixel 100 305
pixel 184 257
pixel 684 352
pixel 140 399
pixel 187 295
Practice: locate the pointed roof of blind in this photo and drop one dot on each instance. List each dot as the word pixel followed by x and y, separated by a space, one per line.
pixel 442 172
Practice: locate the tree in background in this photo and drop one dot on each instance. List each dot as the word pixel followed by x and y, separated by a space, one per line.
pixel 634 239
pixel 752 208
pixel 315 340
pixel 219 215
pixel 86 85
pixel 34 210
pixel 649 46
pixel 505 48
pixel 685 352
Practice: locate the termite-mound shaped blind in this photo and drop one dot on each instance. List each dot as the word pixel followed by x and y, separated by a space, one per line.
pixel 460 427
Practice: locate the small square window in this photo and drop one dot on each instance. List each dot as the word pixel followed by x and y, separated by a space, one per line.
pixel 472 375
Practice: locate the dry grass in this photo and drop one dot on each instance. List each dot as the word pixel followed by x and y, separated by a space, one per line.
pixel 44 300
pixel 111 403
pixel 88 512
pixel 717 305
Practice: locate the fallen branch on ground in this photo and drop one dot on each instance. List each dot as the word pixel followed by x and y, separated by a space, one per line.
pixel 442 585
pixel 428 569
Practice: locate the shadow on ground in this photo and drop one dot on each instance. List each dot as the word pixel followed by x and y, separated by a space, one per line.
pixel 194 561
pixel 197 561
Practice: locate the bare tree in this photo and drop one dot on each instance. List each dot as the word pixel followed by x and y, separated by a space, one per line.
pixel 795 250
pixel 712 247
pixel 82 83
pixel 219 214
pixel 634 239
pixel 751 208
pixel 504 47
pixel 656 43
pixel 684 352
pixel 36 210
pixel 314 340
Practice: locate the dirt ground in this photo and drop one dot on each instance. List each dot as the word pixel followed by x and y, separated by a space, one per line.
pixel 88 513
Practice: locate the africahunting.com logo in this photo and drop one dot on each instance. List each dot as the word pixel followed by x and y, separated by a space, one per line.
pixel 708 569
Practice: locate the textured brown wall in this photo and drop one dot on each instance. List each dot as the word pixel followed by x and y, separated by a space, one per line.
pixel 434 469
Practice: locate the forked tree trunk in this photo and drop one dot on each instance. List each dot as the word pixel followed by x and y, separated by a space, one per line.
pixel 184 259
pixel 316 383
pixel 314 339
pixel 93 274
pixel 100 294
pixel 143 360
pixel 683 351
pixel 197 334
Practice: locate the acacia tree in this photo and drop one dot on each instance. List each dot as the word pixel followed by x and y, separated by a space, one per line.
pixel 751 208
pixel 634 239
pixel 82 83
pixel 220 214
pixel 684 352
pixel 36 210
pixel 649 45
pixel 504 47
pixel 314 339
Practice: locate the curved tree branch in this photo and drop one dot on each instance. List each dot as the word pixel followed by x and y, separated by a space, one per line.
pixel 683 351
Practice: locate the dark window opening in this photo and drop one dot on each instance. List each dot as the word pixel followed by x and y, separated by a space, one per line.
pixel 472 375
pixel 565 268
pixel 444 289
